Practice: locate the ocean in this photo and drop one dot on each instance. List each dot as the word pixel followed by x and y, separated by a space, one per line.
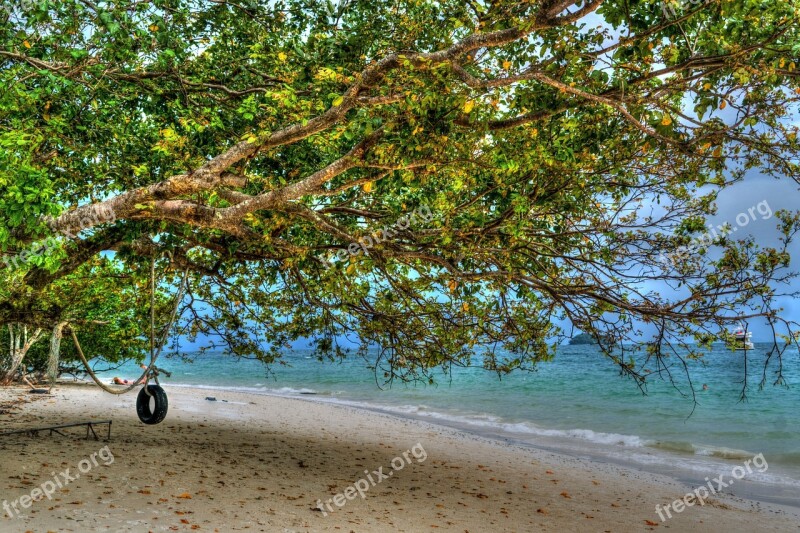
pixel 577 405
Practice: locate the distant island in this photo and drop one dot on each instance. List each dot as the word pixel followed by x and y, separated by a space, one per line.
pixel 582 338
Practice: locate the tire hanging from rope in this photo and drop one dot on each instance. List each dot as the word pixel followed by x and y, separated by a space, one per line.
pixel 148 392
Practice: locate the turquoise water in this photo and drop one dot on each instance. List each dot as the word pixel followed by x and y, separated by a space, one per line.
pixel 578 403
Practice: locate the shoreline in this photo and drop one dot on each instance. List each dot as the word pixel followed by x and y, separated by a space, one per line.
pixel 783 494
pixel 468 481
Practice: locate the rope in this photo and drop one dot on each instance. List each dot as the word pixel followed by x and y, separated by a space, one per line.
pixel 153 352
pixel 152 308
pixel 92 374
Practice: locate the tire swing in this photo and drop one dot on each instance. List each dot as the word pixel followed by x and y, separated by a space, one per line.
pixel 159 411
pixel 154 394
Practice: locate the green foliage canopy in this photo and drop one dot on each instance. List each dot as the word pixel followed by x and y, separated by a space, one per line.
pixel 561 147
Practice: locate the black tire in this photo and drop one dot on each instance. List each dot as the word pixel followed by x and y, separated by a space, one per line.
pixel 157 415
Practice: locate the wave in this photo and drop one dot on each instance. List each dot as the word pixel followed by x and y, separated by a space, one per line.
pixel 485 421
pixel 707 450
pixel 258 388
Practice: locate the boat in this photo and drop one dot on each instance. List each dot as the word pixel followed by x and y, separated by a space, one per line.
pixel 742 338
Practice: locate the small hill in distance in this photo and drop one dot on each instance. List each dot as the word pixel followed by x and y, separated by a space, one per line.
pixel 582 338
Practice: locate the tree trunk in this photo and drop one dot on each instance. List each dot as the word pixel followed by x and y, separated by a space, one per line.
pixel 19 344
pixel 55 351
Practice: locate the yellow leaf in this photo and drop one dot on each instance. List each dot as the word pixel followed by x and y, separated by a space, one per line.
pixel 666 121
pixel 706 86
pixel 717 151
pixel 153 27
pixel 465 307
pixel 282 57
pixel 367 186
pixel 350 269
pixel 468 105
pixel 338 101
pixel 26 44
pixel 506 64
pixel 722 104
pixel 782 62
pixel 452 285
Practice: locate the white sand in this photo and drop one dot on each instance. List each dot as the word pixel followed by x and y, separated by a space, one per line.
pixel 260 463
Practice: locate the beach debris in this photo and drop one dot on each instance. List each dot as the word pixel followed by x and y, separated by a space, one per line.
pixel 34 432
pixel 211 399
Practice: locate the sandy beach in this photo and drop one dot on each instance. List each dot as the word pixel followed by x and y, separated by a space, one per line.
pixel 266 463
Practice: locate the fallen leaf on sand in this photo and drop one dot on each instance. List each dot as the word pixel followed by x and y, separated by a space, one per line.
pixel 185 496
pixel 566 495
pixel 650 523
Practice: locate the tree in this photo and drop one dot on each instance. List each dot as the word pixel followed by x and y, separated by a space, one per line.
pixel 19 342
pixel 105 302
pixel 279 150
